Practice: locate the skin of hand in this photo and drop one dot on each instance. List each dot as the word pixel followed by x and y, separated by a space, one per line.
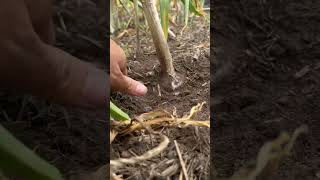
pixel 30 64
pixel 118 73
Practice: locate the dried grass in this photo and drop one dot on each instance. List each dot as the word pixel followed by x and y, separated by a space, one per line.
pixel 270 156
pixel 150 121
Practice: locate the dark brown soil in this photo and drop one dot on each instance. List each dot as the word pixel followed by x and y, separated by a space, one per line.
pixel 191 59
pixel 74 140
pixel 265 80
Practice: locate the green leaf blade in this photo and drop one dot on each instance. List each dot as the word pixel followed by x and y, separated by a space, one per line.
pixel 186 12
pixel 164 16
pixel 17 159
pixel 193 8
pixel 117 114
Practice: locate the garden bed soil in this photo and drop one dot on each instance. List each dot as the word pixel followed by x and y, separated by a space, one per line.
pixel 265 80
pixel 191 59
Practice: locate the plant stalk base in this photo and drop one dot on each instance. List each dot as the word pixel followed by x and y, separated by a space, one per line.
pixel 171 82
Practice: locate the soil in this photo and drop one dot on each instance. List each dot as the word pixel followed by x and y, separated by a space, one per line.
pixel 74 140
pixel 265 79
pixel 191 59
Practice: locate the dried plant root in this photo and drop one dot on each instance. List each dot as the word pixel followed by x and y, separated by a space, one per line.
pixel 113 135
pixel 146 156
pixel 163 119
pixel 115 177
pixel 270 156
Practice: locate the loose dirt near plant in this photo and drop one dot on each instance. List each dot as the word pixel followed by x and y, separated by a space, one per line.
pixel 265 80
pixel 73 140
pixel 191 58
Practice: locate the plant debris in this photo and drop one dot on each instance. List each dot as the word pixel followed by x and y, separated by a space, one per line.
pixel 155 120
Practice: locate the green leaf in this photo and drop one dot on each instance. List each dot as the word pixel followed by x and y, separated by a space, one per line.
pixel 202 3
pixel 164 16
pixel 117 114
pixel 17 159
pixel 139 4
pixel 194 9
pixel 186 12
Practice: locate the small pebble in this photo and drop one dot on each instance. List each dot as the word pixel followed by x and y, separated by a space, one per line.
pixel 125 154
pixel 302 72
pixel 147 109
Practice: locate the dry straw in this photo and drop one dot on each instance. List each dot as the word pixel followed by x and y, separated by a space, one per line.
pixel 150 121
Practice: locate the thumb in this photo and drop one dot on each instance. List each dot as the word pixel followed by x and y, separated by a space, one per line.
pixel 76 82
pixel 134 87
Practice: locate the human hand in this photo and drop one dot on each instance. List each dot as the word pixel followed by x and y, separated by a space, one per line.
pixel 31 65
pixel 118 73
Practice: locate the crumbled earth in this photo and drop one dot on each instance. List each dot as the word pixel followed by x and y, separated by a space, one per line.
pixel 74 140
pixel 265 80
pixel 190 52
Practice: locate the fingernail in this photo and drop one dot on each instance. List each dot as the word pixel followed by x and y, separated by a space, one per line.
pixel 141 89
